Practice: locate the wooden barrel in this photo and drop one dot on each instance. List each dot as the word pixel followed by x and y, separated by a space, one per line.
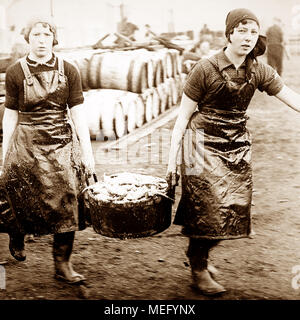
pixel 173 94
pixel 81 61
pixel 158 71
pixel 144 56
pixel 119 120
pixel 173 53
pixel 129 105
pixel 155 103
pixel 112 119
pixel 92 106
pixel 148 104
pixel 166 59
pixel 169 64
pixel 176 60
pixel 93 72
pixel 163 96
pixel 2 102
pixel 168 90
pixel 183 78
pixel 2 83
pixel 83 64
pixel 150 73
pixel 179 64
pixel 133 108
pixel 150 70
pixel 152 104
pixel 140 111
pixel 157 68
pixel 126 99
pixel 105 111
pixel 179 85
pixel 118 70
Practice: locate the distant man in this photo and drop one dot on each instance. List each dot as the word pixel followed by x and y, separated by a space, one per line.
pixel 275 45
pixel 127 28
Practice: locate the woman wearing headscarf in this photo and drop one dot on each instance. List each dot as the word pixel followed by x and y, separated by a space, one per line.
pixel 211 128
pixel 47 151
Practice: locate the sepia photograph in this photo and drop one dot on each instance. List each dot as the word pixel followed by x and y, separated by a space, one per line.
pixel 149 151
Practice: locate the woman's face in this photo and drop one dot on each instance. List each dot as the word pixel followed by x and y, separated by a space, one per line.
pixel 41 40
pixel 244 37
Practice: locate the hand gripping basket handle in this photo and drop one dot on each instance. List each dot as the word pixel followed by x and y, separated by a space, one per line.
pixel 87 179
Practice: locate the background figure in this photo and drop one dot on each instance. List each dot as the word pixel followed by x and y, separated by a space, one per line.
pixel 126 29
pixel 204 50
pixel 20 47
pixel 275 45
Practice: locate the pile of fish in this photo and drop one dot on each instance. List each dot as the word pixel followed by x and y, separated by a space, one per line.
pixel 128 187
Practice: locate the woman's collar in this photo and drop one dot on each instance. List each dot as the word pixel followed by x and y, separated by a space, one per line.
pixel 224 61
pixel 49 63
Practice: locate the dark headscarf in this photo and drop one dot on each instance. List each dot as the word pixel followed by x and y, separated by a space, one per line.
pixel 236 16
pixel 34 21
pixel 233 19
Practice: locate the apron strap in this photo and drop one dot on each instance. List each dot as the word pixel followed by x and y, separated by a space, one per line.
pixel 28 76
pixel 61 72
pixel 26 71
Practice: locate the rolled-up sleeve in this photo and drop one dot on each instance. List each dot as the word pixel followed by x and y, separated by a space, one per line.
pixel 194 86
pixel 11 91
pixel 269 80
pixel 75 88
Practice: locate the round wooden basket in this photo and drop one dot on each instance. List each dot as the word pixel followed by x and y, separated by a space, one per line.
pixel 141 218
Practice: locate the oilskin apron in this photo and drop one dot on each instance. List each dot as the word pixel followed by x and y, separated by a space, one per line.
pixel 42 174
pixel 216 164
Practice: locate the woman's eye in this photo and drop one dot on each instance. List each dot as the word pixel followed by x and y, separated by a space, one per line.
pixel 241 30
pixel 254 32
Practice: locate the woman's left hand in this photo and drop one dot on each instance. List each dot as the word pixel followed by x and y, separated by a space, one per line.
pixel 89 165
pixel 172 179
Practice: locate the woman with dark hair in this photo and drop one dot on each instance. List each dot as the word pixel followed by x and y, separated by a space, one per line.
pixel 47 152
pixel 216 146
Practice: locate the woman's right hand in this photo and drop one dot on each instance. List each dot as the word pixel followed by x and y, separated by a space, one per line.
pixel 89 165
pixel 172 178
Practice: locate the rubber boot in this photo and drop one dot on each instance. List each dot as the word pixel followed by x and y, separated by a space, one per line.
pixel 212 270
pixel 202 273
pixel 203 282
pixel 17 246
pixel 62 250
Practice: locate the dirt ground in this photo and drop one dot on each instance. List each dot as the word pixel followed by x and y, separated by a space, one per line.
pixel 156 267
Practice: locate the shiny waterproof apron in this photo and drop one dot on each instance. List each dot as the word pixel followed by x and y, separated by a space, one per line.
pixel 42 174
pixel 216 165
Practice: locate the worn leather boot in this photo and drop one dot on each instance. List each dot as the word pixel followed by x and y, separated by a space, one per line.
pixel 203 282
pixel 212 270
pixel 62 249
pixel 17 246
pixel 203 272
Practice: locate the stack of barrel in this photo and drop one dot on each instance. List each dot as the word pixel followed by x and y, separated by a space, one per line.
pixel 123 90
pixel 2 100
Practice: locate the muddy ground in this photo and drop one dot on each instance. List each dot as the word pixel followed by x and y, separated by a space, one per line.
pixel 156 267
